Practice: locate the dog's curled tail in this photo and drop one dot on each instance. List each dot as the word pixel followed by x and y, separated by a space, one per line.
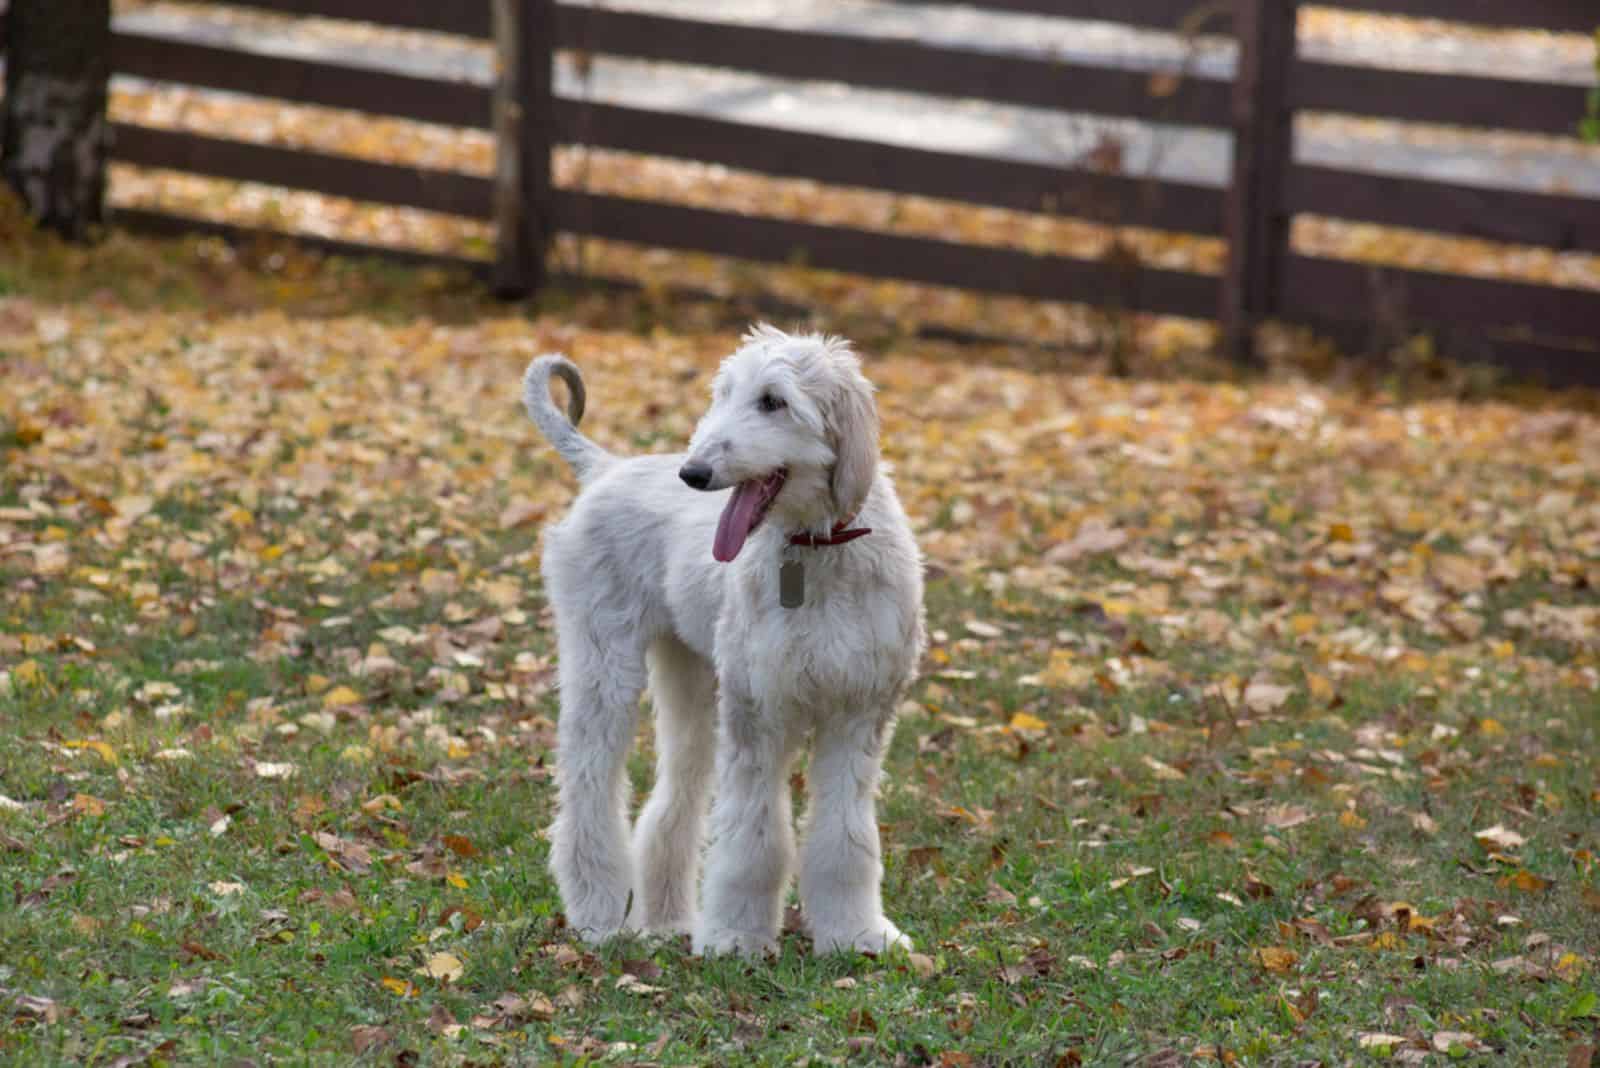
pixel 561 430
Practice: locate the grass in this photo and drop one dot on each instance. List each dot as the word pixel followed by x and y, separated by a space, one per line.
pixel 1071 898
pixel 276 711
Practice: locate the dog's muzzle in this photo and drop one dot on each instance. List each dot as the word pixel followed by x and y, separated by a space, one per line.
pixel 696 476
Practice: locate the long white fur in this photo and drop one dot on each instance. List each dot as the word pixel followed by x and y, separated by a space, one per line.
pixel 639 600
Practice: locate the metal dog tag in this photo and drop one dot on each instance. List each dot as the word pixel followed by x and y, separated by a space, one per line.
pixel 792 584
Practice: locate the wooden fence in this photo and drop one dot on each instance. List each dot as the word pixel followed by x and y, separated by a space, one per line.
pixel 1543 330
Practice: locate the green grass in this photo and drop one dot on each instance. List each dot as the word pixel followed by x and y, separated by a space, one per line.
pixel 1071 899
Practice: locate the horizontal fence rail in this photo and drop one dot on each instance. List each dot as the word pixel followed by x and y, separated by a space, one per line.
pixel 1029 187
pixel 912 259
pixel 1454 99
pixel 1559 222
pixel 878 63
pixel 450 192
pixel 1330 289
pixel 302 81
pixel 1172 15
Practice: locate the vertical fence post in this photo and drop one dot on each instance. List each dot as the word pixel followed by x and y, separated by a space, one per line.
pixel 524 39
pixel 1255 218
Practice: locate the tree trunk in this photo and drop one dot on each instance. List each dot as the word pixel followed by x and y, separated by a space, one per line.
pixel 53 127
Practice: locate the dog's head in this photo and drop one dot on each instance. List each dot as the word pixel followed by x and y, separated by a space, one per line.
pixel 792 428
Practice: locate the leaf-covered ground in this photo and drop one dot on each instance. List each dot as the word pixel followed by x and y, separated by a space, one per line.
pixel 1259 726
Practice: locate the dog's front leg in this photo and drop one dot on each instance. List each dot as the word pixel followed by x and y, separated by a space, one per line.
pixel 752 847
pixel 841 872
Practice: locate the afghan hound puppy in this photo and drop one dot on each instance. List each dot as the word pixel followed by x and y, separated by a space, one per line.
pixel 766 587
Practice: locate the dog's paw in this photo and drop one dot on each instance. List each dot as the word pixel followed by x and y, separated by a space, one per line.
pixel 881 937
pixel 729 942
pixel 669 928
pixel 598 921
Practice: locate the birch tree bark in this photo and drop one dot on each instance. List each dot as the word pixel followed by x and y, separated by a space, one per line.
pixel 53 128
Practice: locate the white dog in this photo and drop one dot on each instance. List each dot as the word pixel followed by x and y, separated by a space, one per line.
pixel 791 605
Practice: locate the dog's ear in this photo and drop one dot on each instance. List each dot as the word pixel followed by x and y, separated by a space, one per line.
pixel 854 425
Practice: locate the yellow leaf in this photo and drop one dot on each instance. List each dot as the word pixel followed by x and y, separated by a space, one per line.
pixel 1022 721
pixel 340 696
pixel 445 967
pixel 1570 967
pixel 1414 662
pixel 1527 882
pixel 1278 959
pixel 1352 819
pixel 1490 727
pixel 1341 532
pixel 1386 940
pixel 400 987
pixel 28 672
pixel 107 754
pixel 87 805
pixel 457 880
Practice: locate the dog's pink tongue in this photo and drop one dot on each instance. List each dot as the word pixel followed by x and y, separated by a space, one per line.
pixel 738 516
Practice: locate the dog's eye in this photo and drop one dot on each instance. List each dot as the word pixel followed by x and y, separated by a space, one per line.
pixel 771 403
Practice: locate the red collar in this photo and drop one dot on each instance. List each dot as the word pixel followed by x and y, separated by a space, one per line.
pixel 838 536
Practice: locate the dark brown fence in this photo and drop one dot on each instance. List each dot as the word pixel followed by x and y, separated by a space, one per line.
pixel 1542 329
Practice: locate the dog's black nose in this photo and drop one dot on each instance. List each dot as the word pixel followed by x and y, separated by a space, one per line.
pixel 696 476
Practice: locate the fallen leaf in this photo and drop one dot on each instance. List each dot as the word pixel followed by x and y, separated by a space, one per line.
pixel 1022 721
pixel 1262 697
pixel 445 967
pixel 1283 817
pixel 1524 880
pixel 1277 959
pixel 1457 1042
pixel 460 845
pixel 400 987
pixel 339 697
pixel 368 1036
pixel 1499 838
pixel 87 805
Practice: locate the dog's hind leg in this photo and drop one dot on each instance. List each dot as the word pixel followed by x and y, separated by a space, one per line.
pixel 666 837
pixel 841 869
pixel 601 681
